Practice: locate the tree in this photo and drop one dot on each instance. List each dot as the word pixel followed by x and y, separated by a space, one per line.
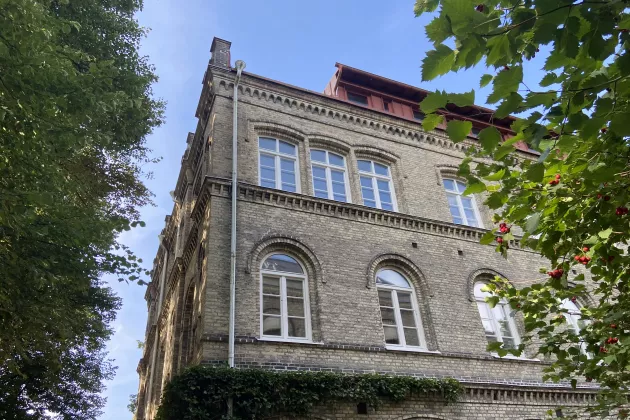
pixel 571 201
pixel 75 110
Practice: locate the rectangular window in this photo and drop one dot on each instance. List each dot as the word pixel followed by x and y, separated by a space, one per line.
pixel 463 208
pixel 376 185
pixel 358 99
pixel 277 164
pixel 417 115
pixel 329 175
pixel 387 106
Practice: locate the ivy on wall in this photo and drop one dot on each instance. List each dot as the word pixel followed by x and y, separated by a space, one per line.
pixel 202 392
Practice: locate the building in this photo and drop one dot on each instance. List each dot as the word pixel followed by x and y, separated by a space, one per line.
pixel 355 249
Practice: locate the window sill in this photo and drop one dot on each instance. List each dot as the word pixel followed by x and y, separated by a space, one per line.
pixel 288 340
pixel 512 357
pixel 412 349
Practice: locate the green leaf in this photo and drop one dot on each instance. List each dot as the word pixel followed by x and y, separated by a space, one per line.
pixel 619 124
pixel 605 234
pixel 532 222
pixel 509 105
pixel 475 188
pixel 437 62
pixel 431 121
pixel 535 172
pixel 487 238
pixel 462 99
pixel 495 176
pixel 485 80
pixel 438 30
pixel 489 137
pixel 503 151
pixel 549 79
pixel 506 82
pixel 433 101
pixel 458 130
pixel 545 99
pixel 423 6
pixel 500 51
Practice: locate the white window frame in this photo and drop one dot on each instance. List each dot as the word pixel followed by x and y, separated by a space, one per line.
pixel 572 317
pixel 277 156
pixel 375 177
pixel 328 168
pixel 460 205
pixel 497 328
pixel 399 326
pixel 284 323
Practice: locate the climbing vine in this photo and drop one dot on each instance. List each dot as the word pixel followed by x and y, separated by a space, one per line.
pixel 202 392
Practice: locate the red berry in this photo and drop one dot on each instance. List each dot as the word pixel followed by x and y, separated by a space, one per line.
pixel 506 68
pixel 576 258
pixel 589 379
pixel 599 196
pixel 613 326
pixel 499 240
pixel 573 299
pixel 558 176
pixel 585 249
pixel 606 198
pixel 603 130
pixel 614 340
pixel 518 306
pixel 602 349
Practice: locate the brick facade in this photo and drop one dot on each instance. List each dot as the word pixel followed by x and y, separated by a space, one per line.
pixel 341 246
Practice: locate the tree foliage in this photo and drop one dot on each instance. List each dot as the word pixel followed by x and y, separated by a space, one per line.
pixel 571 201
pixel 75 110
pixel 202 392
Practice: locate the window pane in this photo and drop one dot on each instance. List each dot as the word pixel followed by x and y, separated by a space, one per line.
pixel 268 174
pixel 387 315
pixel 321 194
pixel 287 165
pixel 479 292
pixel 386 198
pixel 391 278
pixel 358 99
pixel 288 178
pixel 366 182
pixel 387 206
pixel 337 176
pixel 488 327
pixel 404 300
pixel 319 172
pixel 271 325
pixel 297 327
pixel 365 165
pixel 369 203
pixel 385 298
pixel 271 305
pixel 281 262
pixel 295 288
pixel 509 343
pixel 458 220
pixel 267 144
pixel 340 197
pixel 461 187
pixel 470 215
pixel 391 335
pixel 289 187
pixel 339 188
pixel 467 203
pixel 318 156
pixel 455 212
pixel 268 183
pixel 491 338
pixel 452 200
pixel 368 195
pixel 408 319
pixel 449 185
pixel 268 161
pixel 418 115
pixel 287 148
pixel 383 185
pixel 334 159
pixel 411 337
pixel 381 169
pixel 319 185
pixel 271 286
pixel 295 307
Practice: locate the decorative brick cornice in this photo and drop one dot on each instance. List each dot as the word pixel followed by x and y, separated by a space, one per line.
pixel 220 187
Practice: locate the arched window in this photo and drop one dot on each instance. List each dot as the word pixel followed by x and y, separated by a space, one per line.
pixel 284 309
pixel 376 185
pixel 399 311
pixel 498 322
pixel 463 208
pixel 329 175
pixel 278 164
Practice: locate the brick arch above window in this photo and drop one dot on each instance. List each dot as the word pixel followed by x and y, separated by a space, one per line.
pixel 289 245
pixel 316 141
pixel 272 129
pixel 401 263
pixel 421 417
pixel 370 152
pixel 447 171
pixel 478 275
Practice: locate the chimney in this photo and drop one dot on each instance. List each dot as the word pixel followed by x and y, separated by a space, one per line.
pixel 220 51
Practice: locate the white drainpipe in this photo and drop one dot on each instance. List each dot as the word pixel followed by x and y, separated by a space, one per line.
pixel 240 65
pixel 157 317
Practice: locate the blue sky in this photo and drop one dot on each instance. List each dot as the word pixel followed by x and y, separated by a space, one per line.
pixel 292 41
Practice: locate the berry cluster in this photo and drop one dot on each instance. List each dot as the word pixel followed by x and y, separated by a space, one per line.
pixel 612 340
pixel 504 228
pixel 583 259
pixel 556 274
pixel 555 181
pixel 621 211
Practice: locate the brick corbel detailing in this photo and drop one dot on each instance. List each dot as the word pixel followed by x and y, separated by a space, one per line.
pixel 220 187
